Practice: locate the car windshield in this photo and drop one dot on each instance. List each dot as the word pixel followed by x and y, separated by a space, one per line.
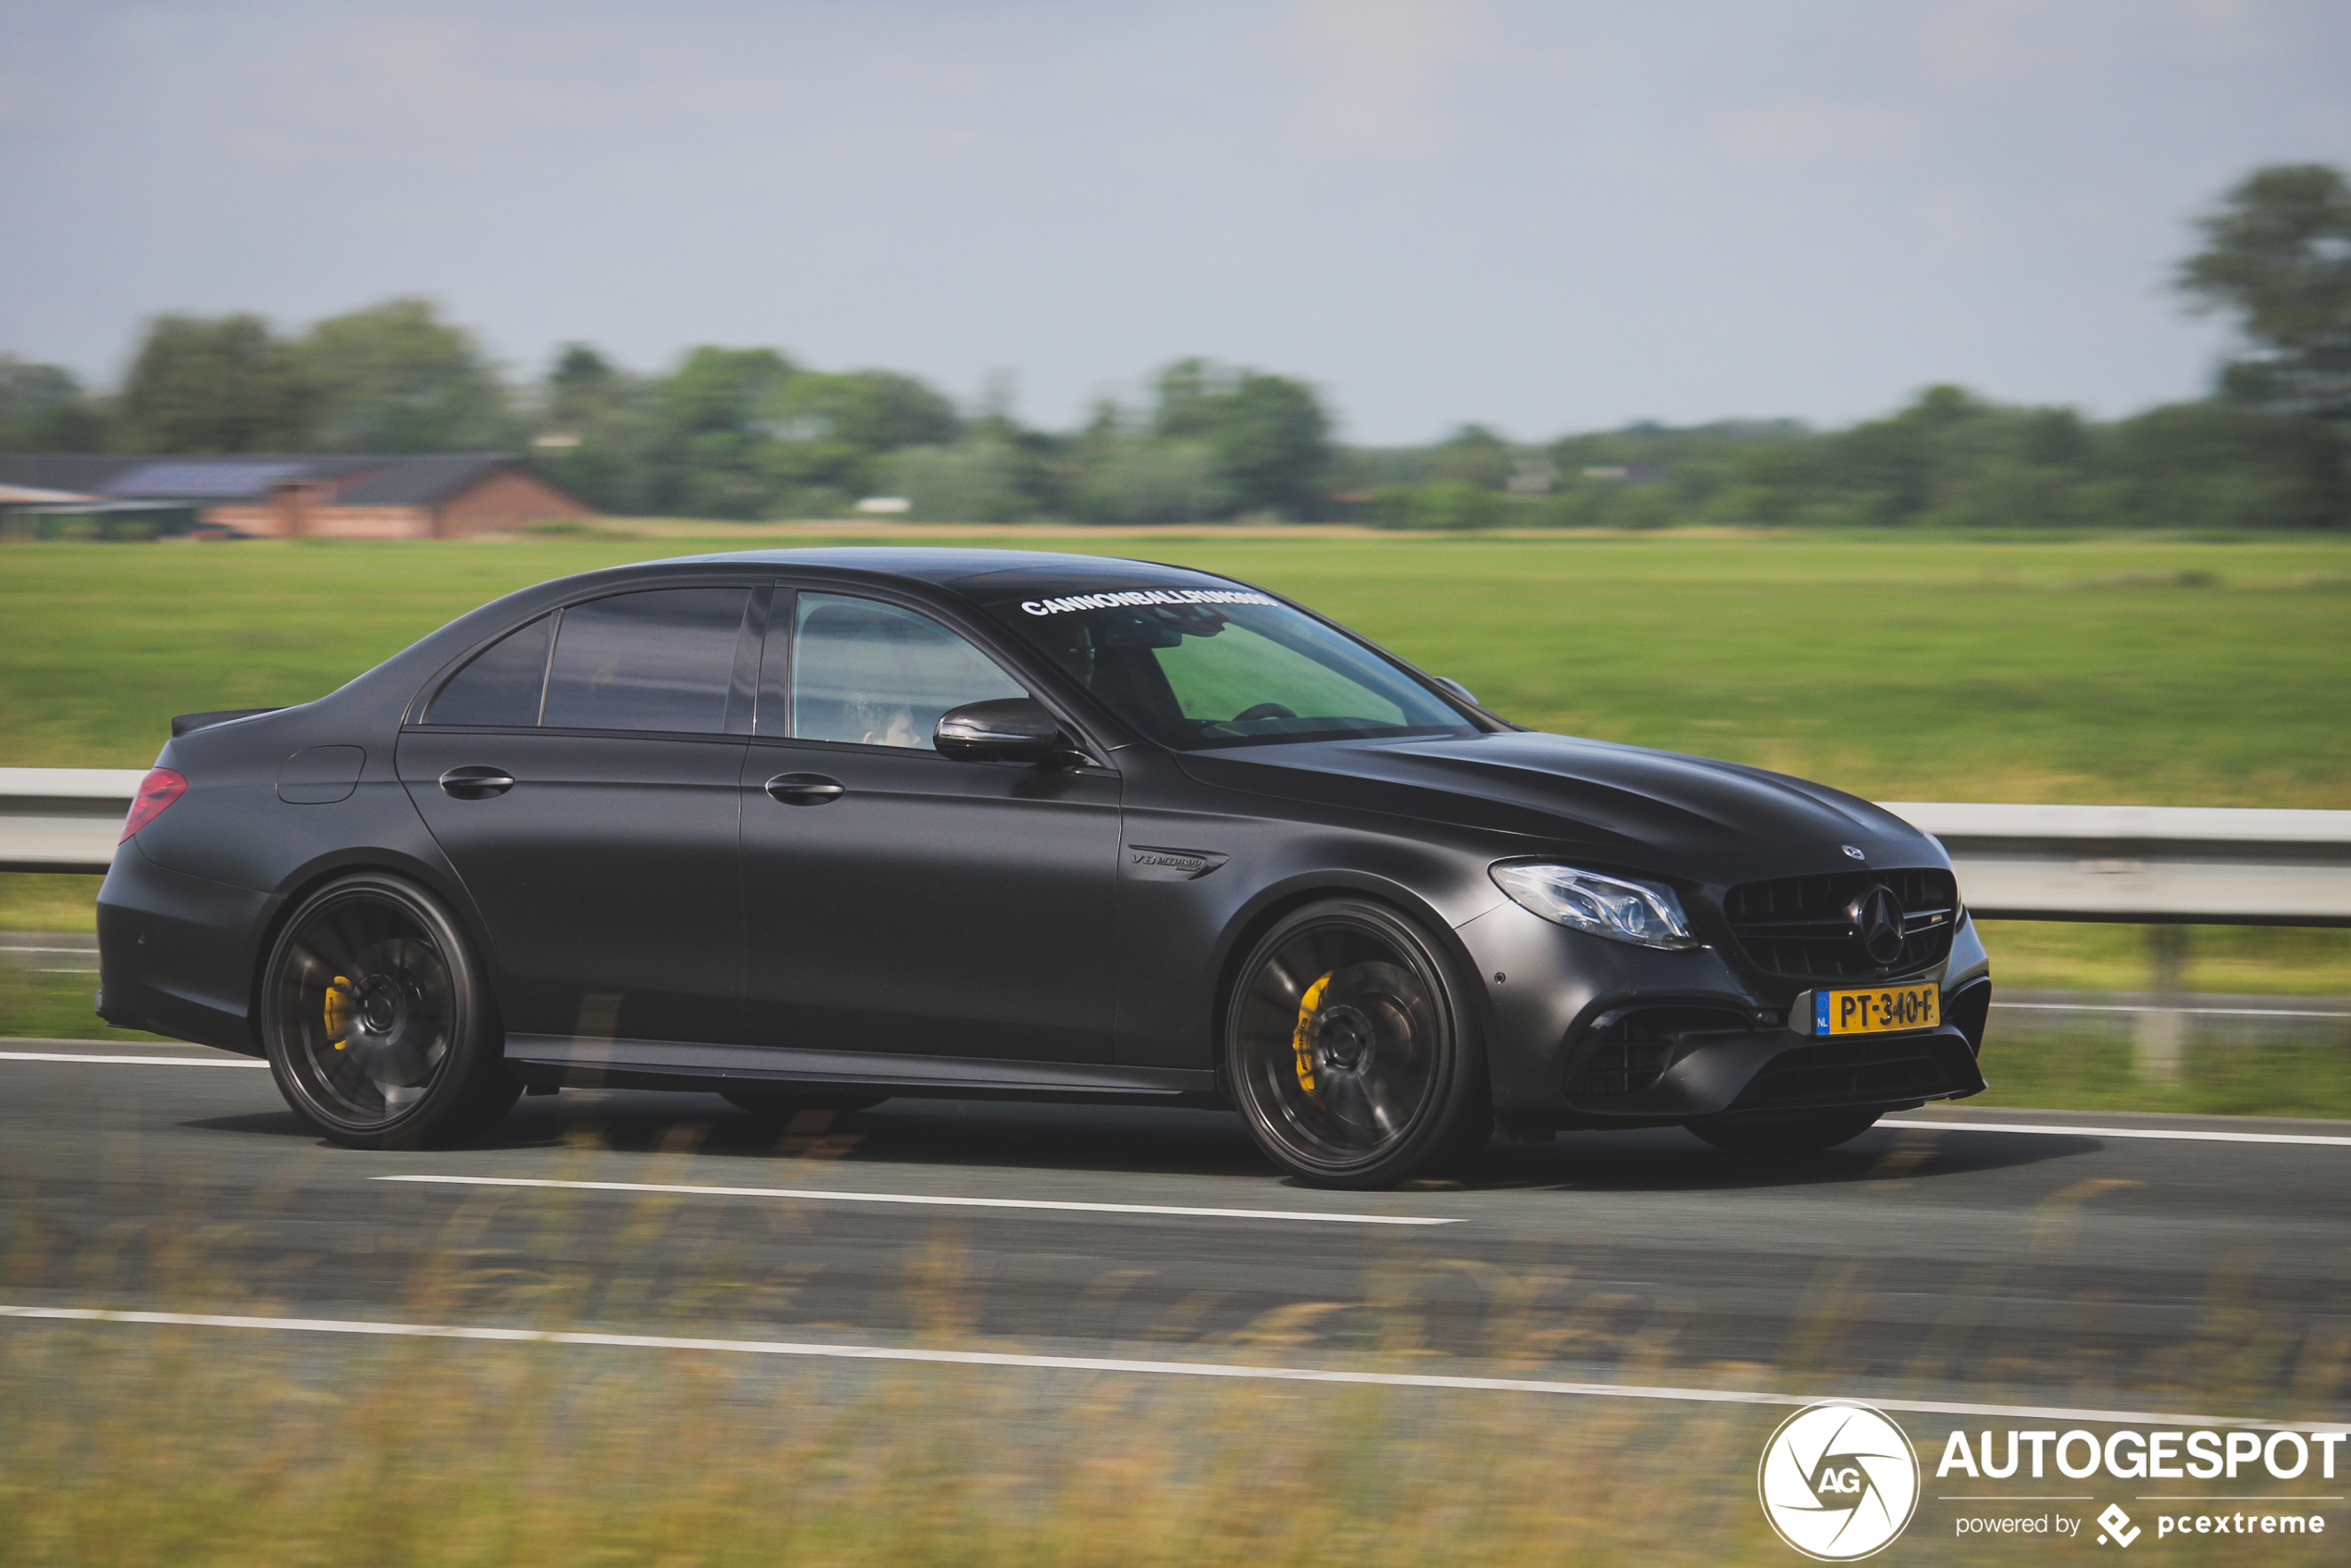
pixel 1198 667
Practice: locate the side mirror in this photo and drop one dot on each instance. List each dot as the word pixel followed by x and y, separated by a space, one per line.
pixel 1007 729
pixel 1458 689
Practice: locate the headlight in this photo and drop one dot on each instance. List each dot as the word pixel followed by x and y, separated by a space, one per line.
pixel 1644 913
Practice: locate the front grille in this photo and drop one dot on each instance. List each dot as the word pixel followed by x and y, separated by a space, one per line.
pixel 1801 926
pixel 1629 1053
pixel 1858 1072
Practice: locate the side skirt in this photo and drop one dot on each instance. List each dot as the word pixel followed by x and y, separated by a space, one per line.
pixel 564 1060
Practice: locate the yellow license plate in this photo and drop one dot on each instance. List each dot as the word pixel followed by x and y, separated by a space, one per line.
pixel 1878 1012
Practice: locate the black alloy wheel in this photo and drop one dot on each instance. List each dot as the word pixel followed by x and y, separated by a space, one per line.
pixel 1778 1137
pixel 376 1021
pixel 783 1105
pixel 1348 1052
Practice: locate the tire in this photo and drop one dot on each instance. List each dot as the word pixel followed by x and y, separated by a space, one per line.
pixel 1782 1136
pixel 1348 1050
pixel 378 1024
pixel 783 1105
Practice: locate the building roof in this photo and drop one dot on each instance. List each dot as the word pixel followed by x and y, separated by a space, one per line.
pixel 25 495
pixel 350 479
pixel 418 481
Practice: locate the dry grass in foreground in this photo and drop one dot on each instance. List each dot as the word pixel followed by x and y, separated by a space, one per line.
pixel 125 1446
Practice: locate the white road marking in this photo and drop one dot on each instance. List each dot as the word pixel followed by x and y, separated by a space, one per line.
pixel 827 1196
pixel 128 1061
pixel 1148 1368
pixel 2186 1135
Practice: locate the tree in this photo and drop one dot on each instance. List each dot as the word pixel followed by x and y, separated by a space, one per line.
pixel 1475 456
pixel 396 377
pixel 713 409
pixel 973 481
pixel 1132 479
pixel 212 384
pixel 830 431
pixel 1449 505
pixel 604 441
pixel 580 384
pixel 43 409
pixel 2218 463
pixel 2277 256
pixel 724 390
pixel 1905 466
pixel 1270 434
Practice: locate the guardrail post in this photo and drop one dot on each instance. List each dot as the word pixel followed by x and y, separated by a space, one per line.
pixel 2161 1042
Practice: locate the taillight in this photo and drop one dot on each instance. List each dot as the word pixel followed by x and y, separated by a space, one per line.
pixel 158 790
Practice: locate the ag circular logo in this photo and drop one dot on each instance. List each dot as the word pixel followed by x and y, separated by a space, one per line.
pixel 1838 1481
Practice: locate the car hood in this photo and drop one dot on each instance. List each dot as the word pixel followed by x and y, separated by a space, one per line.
pixel 1629 803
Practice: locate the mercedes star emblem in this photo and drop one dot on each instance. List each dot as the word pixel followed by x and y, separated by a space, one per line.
pixel 1877 921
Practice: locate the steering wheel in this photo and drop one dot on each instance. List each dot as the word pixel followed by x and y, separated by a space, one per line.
pixel 1263 710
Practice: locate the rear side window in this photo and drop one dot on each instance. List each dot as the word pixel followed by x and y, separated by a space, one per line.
pixel 664 659
pixel 501 685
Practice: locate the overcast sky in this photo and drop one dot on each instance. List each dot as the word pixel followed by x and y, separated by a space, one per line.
pixel 1546 216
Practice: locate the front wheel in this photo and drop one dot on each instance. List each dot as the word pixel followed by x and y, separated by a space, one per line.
pixel 1348 1050
pixel 1780 1136
pixel 377 1023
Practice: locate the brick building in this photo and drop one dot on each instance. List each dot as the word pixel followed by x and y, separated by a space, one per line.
pixel 438 495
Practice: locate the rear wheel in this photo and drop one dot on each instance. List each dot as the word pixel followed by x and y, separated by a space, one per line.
pixel 783 1107
pixel 1349 1052
pixel 377 1026
pixel 1785 1134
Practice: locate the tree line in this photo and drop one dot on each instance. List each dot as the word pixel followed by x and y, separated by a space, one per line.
pixel 751 433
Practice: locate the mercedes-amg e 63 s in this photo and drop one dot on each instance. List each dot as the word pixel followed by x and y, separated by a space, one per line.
pixel 814 828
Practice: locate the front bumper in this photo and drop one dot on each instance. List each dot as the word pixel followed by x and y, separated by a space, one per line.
pixel 1584 1032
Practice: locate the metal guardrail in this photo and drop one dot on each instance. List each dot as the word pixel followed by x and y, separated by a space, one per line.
pixel 62 818
pixel 2144 864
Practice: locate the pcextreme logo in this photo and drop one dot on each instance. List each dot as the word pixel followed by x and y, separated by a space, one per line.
pixel 1838 1481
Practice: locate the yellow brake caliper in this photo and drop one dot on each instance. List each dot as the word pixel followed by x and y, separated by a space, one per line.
pixel 1306 1006
pixel 340 996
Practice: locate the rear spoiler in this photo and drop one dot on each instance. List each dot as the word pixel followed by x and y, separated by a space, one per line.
pixel 182 723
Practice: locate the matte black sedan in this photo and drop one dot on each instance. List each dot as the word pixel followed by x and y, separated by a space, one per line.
pixel 814 828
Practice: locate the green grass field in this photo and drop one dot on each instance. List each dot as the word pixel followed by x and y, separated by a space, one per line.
pixel 2116 669
pixel 2139 668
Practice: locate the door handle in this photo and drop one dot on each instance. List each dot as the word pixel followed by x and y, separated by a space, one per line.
pixel 804 788
pixel 475 783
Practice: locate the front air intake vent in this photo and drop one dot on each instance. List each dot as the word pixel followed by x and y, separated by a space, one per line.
pixel 1911 1067
pixel 1811 928
pixel 1629 1053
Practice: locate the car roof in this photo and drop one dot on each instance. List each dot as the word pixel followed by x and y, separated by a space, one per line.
pixel 944 566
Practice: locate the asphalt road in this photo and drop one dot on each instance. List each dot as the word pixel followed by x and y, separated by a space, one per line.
pixel 1943 1260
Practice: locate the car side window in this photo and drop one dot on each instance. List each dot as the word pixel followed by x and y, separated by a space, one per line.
pixel 875 675
pixel 661 659
pixel 501 684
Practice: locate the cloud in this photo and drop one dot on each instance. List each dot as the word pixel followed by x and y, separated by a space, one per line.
pixel 1995 39
pixel 1789 132
pixel 1376 69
